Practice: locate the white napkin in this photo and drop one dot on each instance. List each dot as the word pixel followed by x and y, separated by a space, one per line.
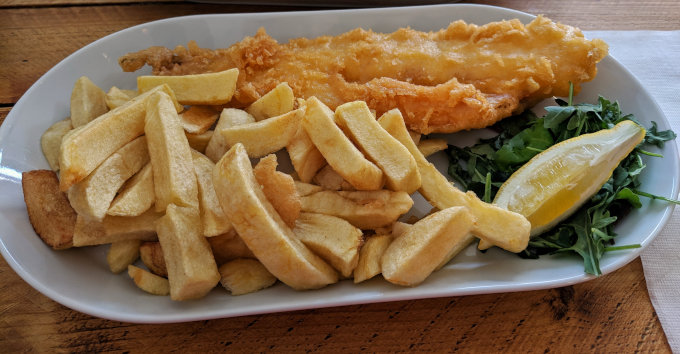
pixel 653 56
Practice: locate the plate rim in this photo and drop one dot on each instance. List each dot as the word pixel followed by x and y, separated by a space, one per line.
pixel 94 311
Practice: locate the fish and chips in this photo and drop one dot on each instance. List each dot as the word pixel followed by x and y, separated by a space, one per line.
pixel 182 173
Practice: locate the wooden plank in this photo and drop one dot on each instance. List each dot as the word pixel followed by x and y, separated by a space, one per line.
pixel 4 111
pixel 609 314
pixel 34 3
pixel 657 14
pixel 335 4
pixel 603 15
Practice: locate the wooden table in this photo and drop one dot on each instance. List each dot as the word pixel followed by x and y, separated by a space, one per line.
pixel 612 313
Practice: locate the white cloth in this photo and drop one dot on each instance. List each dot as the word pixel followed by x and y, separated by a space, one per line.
pixel 654 57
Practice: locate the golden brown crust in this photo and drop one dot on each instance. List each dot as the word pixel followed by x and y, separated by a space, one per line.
pixel 279 188
pixel 49 211
pixel 228 247
pixel 151 254
pixel 462 77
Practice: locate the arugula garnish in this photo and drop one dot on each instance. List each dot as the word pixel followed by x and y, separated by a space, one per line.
pixel 589 233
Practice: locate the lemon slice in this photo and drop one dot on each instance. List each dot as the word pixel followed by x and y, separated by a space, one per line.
pixel 556 182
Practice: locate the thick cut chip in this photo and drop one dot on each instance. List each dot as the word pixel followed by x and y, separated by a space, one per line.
pixel 397 164
pixel 415 136
pixel 431 146
pixel 503 228
pixel 49 211
pixel 92 196
pixel 266 136
pixel 50 141
pixel 84 148
pixel 274 103
pixel 228 247
pixel 363 209
pixel 88 102
pixel 337 149
pixel 151 283
pixel 245 275
pixel 174 178
pixel 199 142
pixel 333 239
pixel 121 254
pixel 455 250
pixel 136 196
pixel 399 228
pixel 214 221
pixel 151 254
pixel 230 117
pixel 498 226
pixel 331 180
pixel 370 253
pixel 306 158
pixel 261 227
pixel 117 97
pixel 414 255
pixel 279 188
pixel 192 270
pixel 198 119
pixel 305 189
pixel 88 232
pixel 206 89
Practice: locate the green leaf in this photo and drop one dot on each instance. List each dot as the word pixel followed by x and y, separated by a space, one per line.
pixel 590 231
pixel 557 115
pixel 635 166
pixel 487 188
pixel 523 146
pixel 483 150
pixel 585 245
pixel 604 220
pixel 658 138
pixel 630 196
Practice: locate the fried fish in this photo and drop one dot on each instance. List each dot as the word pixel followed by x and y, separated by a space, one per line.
pixel 459 78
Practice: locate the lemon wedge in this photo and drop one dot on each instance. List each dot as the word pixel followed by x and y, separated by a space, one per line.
pixel 556 182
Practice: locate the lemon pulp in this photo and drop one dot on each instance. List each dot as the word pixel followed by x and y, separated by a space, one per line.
pixel 556 182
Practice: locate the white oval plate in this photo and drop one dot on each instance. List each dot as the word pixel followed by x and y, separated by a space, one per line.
pixel 79 278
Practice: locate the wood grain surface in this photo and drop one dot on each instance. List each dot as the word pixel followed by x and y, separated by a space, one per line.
pixel 610 314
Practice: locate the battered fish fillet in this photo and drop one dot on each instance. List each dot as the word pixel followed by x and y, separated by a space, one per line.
pixel 462 77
